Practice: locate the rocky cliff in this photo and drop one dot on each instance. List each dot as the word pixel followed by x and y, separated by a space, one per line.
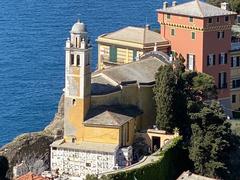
pixel 33 148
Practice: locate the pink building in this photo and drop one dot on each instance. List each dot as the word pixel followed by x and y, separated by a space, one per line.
pixel 202 34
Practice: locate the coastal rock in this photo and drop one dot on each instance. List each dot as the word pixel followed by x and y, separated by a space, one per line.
pixel 33 148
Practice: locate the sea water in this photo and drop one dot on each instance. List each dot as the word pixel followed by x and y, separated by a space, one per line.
pixel 32 39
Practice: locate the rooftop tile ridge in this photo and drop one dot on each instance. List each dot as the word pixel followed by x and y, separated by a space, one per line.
pixel 110 113
pixel 198 4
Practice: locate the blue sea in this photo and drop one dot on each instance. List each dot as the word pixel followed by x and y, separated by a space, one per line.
pixel 32 39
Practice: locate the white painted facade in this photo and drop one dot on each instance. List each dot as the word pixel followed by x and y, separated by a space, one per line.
pixel 77 47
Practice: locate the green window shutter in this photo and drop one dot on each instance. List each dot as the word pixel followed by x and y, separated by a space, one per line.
pixel 134 55
pixel 113 54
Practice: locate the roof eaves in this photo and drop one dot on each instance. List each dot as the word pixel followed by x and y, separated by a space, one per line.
pixel 174 13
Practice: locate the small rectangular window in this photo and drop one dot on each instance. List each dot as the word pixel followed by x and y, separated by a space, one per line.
pixel 168 16
pixel 226 18
pixel 72 59
pixel 78 60
pixel 211 59
pixel 73 102
pixel 222 80
pixel 235 61
pixel 218 19
pixel 223 58
pixel 234 98
pixel 233 84
pixel 210 20
pixel 88 164
pixel 193 35
pixel 191 62
pixel 190 19
pixel 220 35
pixel 173 33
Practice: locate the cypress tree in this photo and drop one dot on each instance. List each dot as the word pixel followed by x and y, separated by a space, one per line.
pixel 164 91
pixel 210 142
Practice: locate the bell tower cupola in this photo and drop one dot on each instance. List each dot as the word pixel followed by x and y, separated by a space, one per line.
pixel 77 81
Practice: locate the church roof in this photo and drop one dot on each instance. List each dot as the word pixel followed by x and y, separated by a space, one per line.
pixel 102 85
pixel 136 35
pixel 141 72
pixel 78 27
pixel 114 115
pixel 196 8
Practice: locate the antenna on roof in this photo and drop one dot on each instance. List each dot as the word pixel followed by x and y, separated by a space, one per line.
pixel 147 26
pixel 78 15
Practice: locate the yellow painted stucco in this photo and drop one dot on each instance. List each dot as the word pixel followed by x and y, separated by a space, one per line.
pixel 235 74
pixel 74 117
pixel 101 135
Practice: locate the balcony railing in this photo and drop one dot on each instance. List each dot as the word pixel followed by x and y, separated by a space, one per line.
pixel 222 86
pixel 235 46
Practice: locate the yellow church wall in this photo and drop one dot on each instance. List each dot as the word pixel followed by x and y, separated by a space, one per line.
pixel 74 112
pixel 132 95
pixel 101 135
pixel 129 94
pixel 147 104
pixel 132 128
pixel 108 99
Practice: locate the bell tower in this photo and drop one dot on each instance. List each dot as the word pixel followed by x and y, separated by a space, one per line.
pixel 77 82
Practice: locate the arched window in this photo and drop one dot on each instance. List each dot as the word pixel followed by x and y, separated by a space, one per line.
pixel 78 60
pixel 72 60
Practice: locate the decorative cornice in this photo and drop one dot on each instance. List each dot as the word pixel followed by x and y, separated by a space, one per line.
pixel 207 29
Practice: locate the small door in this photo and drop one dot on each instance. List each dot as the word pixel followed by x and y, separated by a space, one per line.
pixel 155 143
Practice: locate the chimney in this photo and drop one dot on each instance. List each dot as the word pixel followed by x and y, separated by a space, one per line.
pixel 147 26
pixel 174 3
pixel 224 6
pixel 165 4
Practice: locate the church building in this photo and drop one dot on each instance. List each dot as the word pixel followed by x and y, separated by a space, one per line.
pixel 103 110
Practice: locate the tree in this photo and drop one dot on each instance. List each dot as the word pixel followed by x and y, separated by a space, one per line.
pixel 200 86
pixel 164 91
pixel 174 89
pixel 210 142
pixel 233 4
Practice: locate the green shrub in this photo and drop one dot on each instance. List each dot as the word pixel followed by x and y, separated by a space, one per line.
pixel 170 165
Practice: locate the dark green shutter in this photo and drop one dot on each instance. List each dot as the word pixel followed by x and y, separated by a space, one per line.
pixel 134 55
pixel 113 54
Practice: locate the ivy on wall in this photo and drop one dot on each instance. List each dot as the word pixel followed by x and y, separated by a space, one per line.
pixel 171 163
